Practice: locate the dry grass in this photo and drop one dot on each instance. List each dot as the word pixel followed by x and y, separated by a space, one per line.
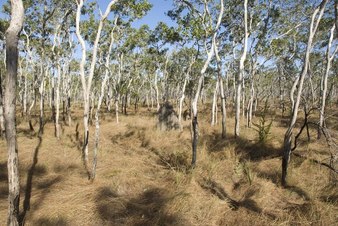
pixel 144 177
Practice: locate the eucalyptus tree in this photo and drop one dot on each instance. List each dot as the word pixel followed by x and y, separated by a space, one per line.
pixel 60 51
pixel 315 20
pixel 240 76
pixel 122 8
pixel 87 82
pixel 199 24
pixel 187 57
pixel 12 38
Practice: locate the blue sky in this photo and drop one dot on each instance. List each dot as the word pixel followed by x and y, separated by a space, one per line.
pixel 155 15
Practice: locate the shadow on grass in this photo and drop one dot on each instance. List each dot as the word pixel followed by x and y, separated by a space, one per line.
pixel 146 209
pixel 3 181
pixel 35 171
pixel 44 221
pixel 247 149
pixel 246 202
pixel 29 184
pixel 273 175
pixel 300 192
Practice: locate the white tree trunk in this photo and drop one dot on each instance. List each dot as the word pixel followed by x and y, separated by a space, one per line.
pixel 86 83
pixel 183 91
pixel 240 76
pixel 194 103
pixel 214 105
pixel 97 112
pixel 324 79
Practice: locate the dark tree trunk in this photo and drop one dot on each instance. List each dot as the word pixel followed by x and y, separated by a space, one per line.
pixel 12 37
pixel 53 111
pixel 194 141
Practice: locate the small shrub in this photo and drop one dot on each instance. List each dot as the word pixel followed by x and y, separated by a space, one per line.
pixel 242 169
pixel 263 127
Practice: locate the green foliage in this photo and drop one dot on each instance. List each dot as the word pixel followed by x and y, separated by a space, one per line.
pixel 263 127
pixel 3 27
pixel 242 169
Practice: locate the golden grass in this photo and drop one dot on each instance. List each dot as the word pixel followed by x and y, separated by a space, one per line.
pixel 144 177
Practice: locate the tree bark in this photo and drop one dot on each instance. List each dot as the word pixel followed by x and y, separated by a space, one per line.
pixel 12 37
pixel 2 120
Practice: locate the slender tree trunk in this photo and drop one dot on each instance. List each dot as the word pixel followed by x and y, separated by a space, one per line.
pixel 97 112
pixel 220 81
pixel 2 120
pixel 214 104
pixel 183 92
pixel 57 115
pixel 12 37
pixel 239 79
pixel 324 79
pixel 117 97
pixel 250 102
pixel 157 93
pixel 53 107
pixel 42 99
pixel 288 133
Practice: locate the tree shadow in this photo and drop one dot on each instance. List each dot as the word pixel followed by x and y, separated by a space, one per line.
pixel 44 221
pixel 246 149
pixel 300 192
pixel 3 180
pixel 329 193
pixel 146 209
pixel 30 174
pixel 272 175
pixel 246 202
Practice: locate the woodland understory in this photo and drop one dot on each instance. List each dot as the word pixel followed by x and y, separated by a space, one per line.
pixel 251 137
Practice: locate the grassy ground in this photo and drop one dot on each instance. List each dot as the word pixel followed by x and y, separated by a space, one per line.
pixel 143 177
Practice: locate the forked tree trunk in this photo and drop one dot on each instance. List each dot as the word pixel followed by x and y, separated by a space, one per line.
pixel 288 134
pixel 12 37
pixel 194 103
pixel 87 82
